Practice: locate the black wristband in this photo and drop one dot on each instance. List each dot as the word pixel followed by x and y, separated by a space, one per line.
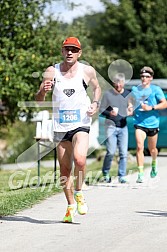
pixel 153 108
pixel 98 104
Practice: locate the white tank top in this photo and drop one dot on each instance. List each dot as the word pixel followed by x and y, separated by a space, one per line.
pixel 70 101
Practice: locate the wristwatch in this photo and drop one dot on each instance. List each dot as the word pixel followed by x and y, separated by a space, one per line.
pixel 97 102
pixel 153 108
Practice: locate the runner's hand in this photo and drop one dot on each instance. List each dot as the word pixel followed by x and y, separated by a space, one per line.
pixel 47 85
pixel 146 107
pixel 92 109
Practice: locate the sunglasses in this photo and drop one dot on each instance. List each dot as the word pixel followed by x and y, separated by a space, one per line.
pixel 145 76
pixel 72 49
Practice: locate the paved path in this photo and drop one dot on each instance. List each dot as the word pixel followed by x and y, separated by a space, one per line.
pixel 121 218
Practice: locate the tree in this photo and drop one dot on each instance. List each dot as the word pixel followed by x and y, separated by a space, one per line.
pixel 26 45
pixel 136 31
pixel 30 42
pixel 18 19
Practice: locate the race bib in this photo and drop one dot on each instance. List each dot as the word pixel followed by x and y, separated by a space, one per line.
pixel 69 116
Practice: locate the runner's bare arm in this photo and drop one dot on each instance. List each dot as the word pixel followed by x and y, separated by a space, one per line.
pixel 92 81
pixel 160 105
pixel 130 107
pixel 46 84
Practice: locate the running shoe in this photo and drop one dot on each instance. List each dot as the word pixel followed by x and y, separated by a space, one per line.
pixel 140 177
pixel 70 213
pixel 82 207
pixel 153 172
pixel 122 180
pixel 106 179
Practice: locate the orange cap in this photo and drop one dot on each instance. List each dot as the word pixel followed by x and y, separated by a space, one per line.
pixel 72 41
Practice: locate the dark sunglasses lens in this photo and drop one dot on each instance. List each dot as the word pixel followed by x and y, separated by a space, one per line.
pixel 73 50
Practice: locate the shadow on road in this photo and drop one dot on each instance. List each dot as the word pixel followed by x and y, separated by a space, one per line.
pixel 28 219
pixel 31 220
pixel 154 213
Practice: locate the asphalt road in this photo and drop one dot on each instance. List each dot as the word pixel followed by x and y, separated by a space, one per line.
pixel 121 218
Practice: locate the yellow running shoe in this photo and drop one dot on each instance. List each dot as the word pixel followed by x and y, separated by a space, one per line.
pixel 82 207
pixel 70 213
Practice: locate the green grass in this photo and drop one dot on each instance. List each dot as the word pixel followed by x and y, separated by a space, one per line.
pixel 19 188
pixel 94 171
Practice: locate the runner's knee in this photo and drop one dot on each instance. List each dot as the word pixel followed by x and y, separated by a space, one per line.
pixel 80 163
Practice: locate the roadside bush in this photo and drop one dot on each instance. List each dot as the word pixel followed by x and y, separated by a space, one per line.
pixel 19 137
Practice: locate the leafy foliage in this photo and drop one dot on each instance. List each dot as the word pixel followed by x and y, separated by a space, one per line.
pixel 16 29
pixel 29 43
pixel 135 31
pixel 26 46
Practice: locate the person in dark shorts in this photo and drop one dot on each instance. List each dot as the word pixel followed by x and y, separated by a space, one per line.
pixel 147 99
pixel 72 116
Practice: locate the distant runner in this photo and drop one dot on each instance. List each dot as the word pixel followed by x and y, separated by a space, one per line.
pixel 147 99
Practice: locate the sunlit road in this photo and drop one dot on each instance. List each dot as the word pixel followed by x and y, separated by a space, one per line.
pixel 121 218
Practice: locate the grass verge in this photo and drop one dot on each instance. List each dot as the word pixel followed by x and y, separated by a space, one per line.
pixel 19 189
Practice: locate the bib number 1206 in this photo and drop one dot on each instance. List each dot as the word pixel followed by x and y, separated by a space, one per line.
pixel 69 116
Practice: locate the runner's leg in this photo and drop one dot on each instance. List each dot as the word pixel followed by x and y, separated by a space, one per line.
pixel 140 138
pixel 152 142
pixel 80 143
pixel 65 154
pixel 80 147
